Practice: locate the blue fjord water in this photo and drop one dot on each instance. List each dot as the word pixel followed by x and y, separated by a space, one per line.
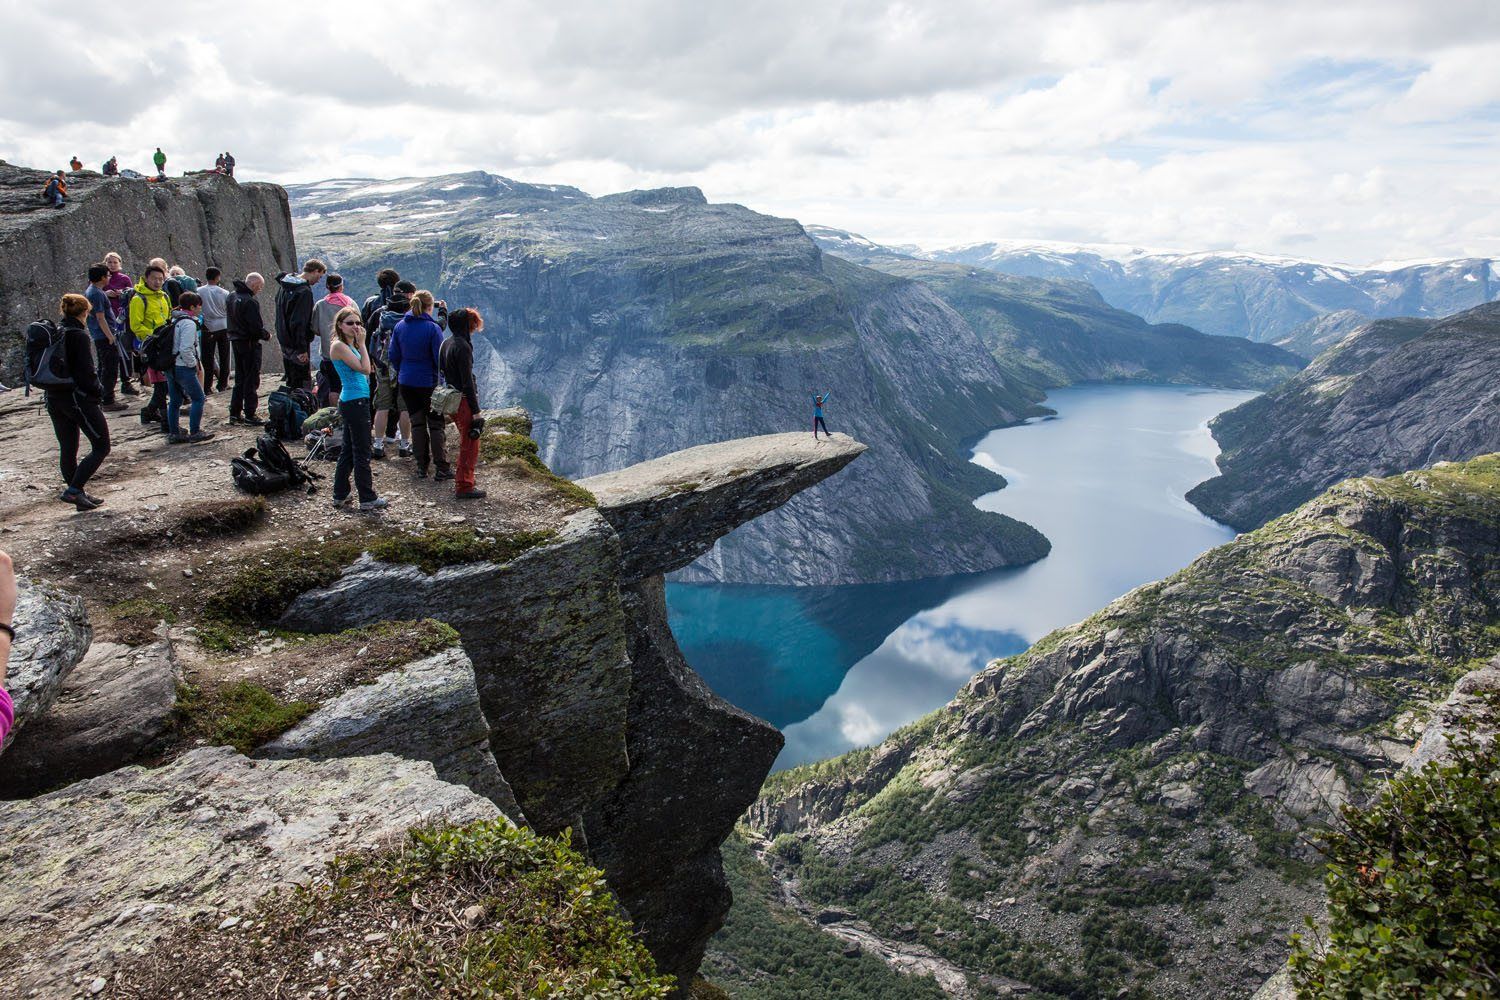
pixel 841 667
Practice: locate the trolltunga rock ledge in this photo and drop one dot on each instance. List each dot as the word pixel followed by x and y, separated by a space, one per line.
pixel 92 871
pixel 671 510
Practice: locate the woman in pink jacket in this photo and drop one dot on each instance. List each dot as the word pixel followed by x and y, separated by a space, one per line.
pixel 7 637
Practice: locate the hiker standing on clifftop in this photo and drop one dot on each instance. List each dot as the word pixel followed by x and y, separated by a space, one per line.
pixel 350 358
pixel 117 289
pixel 416 355
pixel 294 322
pixel 818 402
pixel 457 356
pixel 247 331
pixel 328 307
pixel 74 405
pixel 105 332
pixel 215 344
pixel 160 159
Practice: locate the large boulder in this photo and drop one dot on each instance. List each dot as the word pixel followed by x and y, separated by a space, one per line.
pixel 113 707
pixel 426 710
pixel 52 634
pixel 102 868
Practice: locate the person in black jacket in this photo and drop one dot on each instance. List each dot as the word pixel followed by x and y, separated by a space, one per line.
pixel 294 322
pixel 247 331
pixel 75 409
pixel 457 360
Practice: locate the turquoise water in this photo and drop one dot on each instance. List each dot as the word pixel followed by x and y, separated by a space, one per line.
pixel 840 667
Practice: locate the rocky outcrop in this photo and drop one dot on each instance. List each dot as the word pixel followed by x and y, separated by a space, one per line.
pixel 637 325
pixel 427 710
pixel 97 871
pixel 110 710
pixel 671 510
pixel 1049 332
pixel 1397 394
pixel 1140 785
pixel 52 634
pixel 1318 335
pixel 196 221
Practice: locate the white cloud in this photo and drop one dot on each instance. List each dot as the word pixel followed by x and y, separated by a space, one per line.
pixel 1345 130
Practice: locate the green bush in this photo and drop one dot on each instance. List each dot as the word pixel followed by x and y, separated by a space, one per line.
pixel 242 715
pixel 1413 889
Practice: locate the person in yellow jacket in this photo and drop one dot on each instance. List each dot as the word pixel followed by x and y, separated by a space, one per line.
pixel 150 308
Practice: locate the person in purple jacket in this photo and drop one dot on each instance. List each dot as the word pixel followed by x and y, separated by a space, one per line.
pixel 416 358
pixel 7 638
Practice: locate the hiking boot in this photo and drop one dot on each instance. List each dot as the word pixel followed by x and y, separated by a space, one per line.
pixel 340 502
pixel 177 438
pixel 442 475
pixel 96 501
pixel 78 499
pixel 130 390
pixel 235 418
pixel 198 436
pixel 421 473
pixel 403 452
pixel 116 405
pixel 379 503
pixel 377 452
pixel 253 421
pixel 474 494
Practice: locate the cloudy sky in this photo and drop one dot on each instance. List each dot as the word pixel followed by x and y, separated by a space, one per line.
pixel 1334 130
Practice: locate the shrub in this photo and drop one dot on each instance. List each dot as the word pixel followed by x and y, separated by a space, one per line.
pixel 242 715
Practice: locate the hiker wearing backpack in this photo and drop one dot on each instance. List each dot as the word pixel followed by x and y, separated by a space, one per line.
pixel 416 357
pixel 179 281
pixel 247 331
pixel 119 288
pixel 150 308
pixel 56 191
pixel 294 322
pixel 350 357
pixel 214 347
pixel 66 372
pixel 392 422
pixel 458 372
pixel 385 281
pixel 101 325
pixel 185 380
pixel 160 159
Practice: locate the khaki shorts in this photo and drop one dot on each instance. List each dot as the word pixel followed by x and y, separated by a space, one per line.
pixel 385 396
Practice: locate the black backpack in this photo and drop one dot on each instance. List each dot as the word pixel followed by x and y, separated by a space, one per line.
pixel 273 455
pixel 159 349
pixel 46 358
pixel 255 477
pixel 287 412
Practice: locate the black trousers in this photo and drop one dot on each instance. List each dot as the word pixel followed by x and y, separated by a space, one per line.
pixel 72 416
pixel 427 439
pixel 296 374
pixel 108 363
pixel 355 455
pixel 215 355
pixel 243 401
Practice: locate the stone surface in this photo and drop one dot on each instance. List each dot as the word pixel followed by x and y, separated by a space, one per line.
pixel 696 762
pixel 426 710
pixel 52 634
pixel 671 510
pixel 1464 712
pixel 1392 396
pixel 546 636
pixel 113 706
pixel 102 867
pixel 194 221
pixel 1184 741
pixel 637 325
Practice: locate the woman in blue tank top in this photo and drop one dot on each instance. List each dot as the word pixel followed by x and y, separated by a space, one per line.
pixel 351 360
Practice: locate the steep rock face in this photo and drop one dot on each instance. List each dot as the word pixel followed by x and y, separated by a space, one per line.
pixel 595 719
pixel 95 871
pixel 194 221
pixel 1320 333
pixel 1397 394
pixel 52 634
pixel 638 324
pixel 1239 294
pixel 1123 802
pixel 1047 332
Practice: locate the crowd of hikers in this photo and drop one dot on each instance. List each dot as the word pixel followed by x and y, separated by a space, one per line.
pixel 55 191
pixel 392 372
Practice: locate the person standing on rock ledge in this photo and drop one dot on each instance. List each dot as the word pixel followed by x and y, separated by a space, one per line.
pixel 818 402
pixel 160 159
pixel 350 358
pixel 457 356
pixel 74 407
pixel 247 331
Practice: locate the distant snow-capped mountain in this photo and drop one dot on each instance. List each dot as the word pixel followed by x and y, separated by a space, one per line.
pixel 1260 296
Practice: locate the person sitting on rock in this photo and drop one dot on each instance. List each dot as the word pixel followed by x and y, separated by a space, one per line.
pixel 75 164
pixel 7 639
pixel 74 408
pixel 818 402
pixel 185 380
pixel 219 164
pixel 111 167
pixel 56 191
pixel 458 372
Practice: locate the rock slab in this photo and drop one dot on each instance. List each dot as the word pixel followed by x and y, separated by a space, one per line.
pixel 52 634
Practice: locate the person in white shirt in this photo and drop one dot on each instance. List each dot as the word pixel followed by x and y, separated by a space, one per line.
pixel 214 344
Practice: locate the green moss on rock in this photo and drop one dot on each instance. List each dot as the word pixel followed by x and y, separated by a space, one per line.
pixel 242 715
pixel 520 453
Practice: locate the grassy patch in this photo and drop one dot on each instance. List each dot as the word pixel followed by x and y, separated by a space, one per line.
pixel 133 622
pixel 520 453
pixel 241 715
pixel 483 910
pixel 213 518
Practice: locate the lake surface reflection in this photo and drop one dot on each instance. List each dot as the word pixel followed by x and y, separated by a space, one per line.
pixel 840 667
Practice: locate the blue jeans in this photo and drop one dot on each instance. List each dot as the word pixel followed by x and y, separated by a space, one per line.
pixel 184 383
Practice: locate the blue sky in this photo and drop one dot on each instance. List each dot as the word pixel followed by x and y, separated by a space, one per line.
pixel 1339 131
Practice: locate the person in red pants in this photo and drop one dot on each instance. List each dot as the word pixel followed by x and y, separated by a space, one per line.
pixel 457 359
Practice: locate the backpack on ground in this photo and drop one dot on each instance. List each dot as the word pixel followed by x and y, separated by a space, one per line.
pixel 255 477
pixel 282 406
pixel 275 456
pixel 46 358
pixel 159 349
